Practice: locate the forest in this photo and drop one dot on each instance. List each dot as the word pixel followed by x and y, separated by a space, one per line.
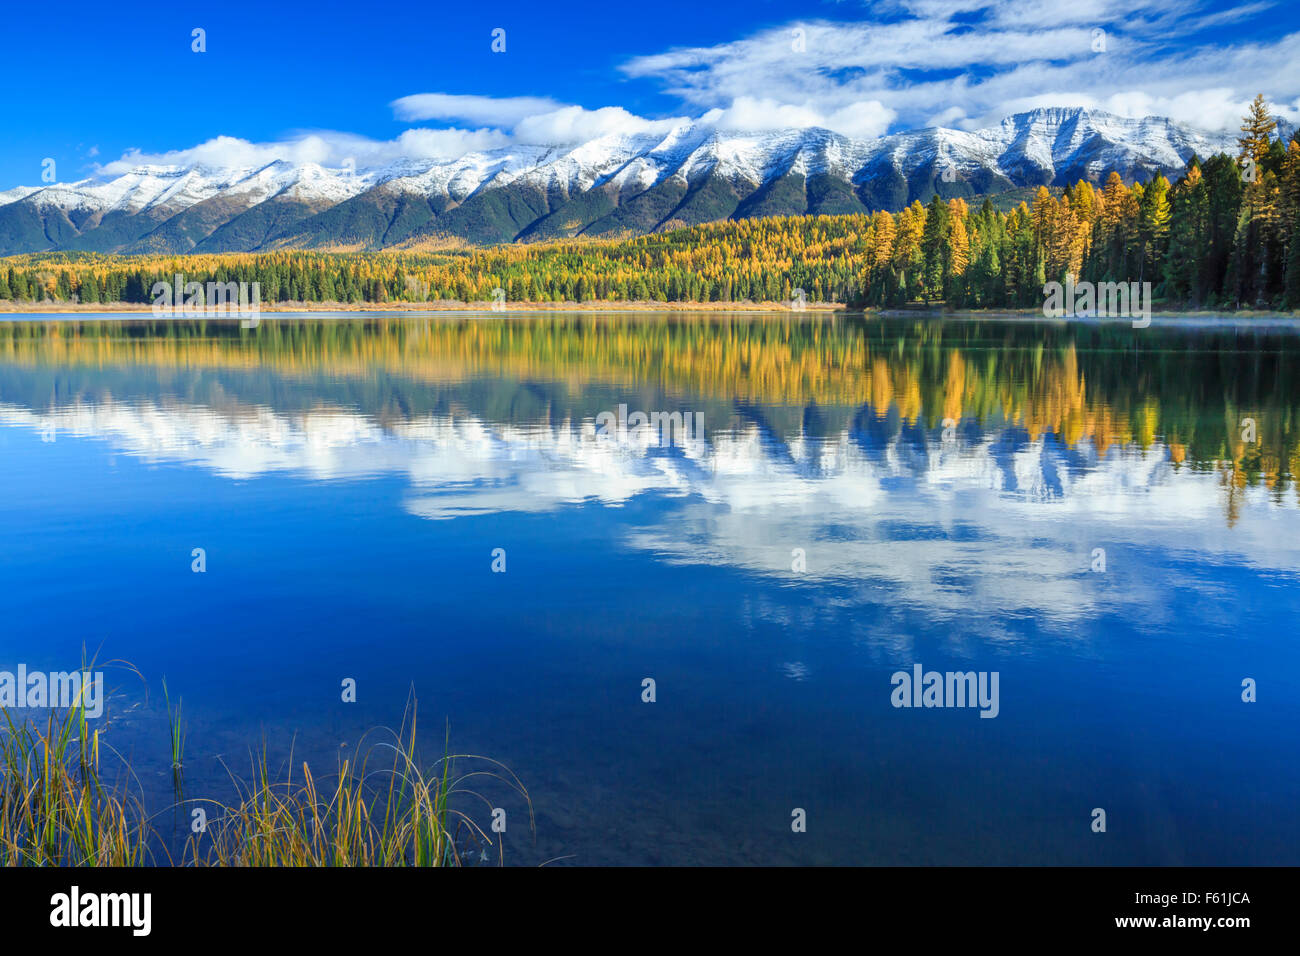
pixel 1222 237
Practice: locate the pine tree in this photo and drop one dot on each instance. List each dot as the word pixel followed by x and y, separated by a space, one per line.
pixel 1188 242
pixel 1291 287
pixel 934 242
pixel 960 246
pixel 1116 225
pixel 1224 195
pixel 1256 131
pixel 1153 225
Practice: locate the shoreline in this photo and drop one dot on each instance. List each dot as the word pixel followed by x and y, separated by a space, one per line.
pixel 51 309
pixel 442 305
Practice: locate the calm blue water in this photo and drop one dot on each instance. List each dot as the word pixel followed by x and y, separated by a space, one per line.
pixel 349 481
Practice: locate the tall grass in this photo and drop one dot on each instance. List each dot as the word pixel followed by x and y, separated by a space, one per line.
pixel 176 737
pixel 379 809
pixel 54 808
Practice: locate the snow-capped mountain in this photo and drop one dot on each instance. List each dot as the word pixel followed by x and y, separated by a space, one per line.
pixel 617 184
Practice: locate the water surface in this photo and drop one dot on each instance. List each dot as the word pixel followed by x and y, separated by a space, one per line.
pixel 866 494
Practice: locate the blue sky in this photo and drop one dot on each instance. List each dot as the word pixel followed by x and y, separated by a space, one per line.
pixel 99 89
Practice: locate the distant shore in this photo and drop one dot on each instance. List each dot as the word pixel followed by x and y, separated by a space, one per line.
pixel 439 305
pixel 9 307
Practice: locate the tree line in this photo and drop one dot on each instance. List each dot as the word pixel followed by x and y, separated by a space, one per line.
pixel 1223 236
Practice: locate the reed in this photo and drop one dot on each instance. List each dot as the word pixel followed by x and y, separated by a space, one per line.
pixel 176 737
pixel 54 807
pixel 379 809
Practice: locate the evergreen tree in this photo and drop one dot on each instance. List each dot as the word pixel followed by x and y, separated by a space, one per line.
pixel 1256 131
pixel 1188 239
pixel 934 244
pixel 1224 194
pixel 1153 226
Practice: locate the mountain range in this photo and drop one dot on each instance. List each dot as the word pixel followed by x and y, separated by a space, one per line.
pixel 612 186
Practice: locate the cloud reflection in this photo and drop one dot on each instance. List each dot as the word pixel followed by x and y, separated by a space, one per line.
pixel 994 519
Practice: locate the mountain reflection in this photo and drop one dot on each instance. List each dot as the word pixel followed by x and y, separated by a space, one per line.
pixel 809 423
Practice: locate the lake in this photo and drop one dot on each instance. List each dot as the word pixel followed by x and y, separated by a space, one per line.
pixel 461 511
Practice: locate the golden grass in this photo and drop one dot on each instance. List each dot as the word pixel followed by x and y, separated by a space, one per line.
pixel 375 812
pixel 380 810
pixel 54 808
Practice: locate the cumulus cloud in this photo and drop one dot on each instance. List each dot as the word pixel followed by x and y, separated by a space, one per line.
pixel 495 111
pixel 506 121
pixel 530 119
pixel 574 124
pixel 969 63
pixel 328 148
pixel 747 113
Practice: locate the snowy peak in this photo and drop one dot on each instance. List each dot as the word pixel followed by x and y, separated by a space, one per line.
pixel 692 173
pixel 1064 139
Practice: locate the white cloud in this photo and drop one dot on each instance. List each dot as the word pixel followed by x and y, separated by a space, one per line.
pixel 441 144
pixel 506 121
pixel 865 119
pixel 969 63
pixel 331 149
pixel 530 119
pixel 505 111
pixel 574 124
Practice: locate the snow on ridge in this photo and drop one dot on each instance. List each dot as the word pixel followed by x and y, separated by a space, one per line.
pixel 17 193
pixel 1047 139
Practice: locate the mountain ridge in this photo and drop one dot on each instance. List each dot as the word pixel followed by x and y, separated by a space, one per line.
pixel 616 184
